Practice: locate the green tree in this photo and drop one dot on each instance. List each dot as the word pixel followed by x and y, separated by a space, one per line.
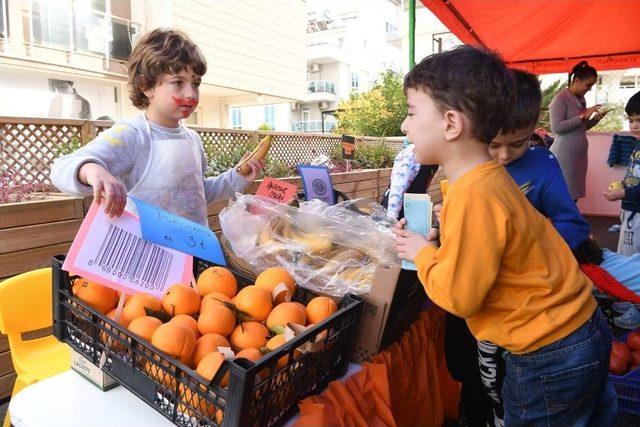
pixel 378 112
pixel 613 121
pixel 547 96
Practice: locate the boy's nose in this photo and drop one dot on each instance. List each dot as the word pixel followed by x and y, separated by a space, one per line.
pixel 402 129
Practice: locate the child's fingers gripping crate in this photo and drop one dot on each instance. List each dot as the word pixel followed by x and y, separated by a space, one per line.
pixel 627 388
pixel 241 394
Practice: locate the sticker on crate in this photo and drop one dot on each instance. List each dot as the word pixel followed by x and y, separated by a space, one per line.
pixel 164 228
pixel 111 251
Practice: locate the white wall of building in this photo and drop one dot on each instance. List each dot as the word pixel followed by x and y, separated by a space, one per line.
pixel 254 116
pixel 29 95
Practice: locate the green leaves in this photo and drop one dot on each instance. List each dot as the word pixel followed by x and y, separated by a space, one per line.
pixel 378 112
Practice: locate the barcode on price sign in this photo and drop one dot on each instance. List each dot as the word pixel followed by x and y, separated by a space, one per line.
pixel 112 252
pixel 131 258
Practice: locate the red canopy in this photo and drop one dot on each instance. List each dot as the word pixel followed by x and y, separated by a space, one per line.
pixel 548 36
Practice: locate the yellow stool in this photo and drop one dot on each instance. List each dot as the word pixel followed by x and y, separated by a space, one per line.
pixel 26 305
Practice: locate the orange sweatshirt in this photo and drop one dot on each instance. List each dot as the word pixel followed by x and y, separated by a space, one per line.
pixel 503 267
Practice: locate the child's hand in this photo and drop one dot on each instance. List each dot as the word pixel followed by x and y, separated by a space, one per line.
pixel 436 210
pixel 408 243
pixel 613 195
pixel 256 167
pixel 105 186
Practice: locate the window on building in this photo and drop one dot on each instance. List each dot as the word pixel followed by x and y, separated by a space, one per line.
pixel 354 81
pixel 270 116
pixel 390 28
pixel 4 30
pixel 311 87
pixel 51 22
pixel 85 25
pixel 629 82
pixel 236 118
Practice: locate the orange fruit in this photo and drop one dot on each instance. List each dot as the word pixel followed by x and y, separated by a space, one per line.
pixel 275 342
pixel 100 297
pixel 122 321
pixel 144 326
pixel 217 279
pixel 216 319
pixel 249 334
pixel 287 312
pixel 176 340
pixel 135 306
pixel 206 344
pixel 188 321
pixel 110 338
pixel 320 308
pixel 250 353
pixel 254 301
pixel 209 365
pixel 192 402
pixel 213 298
pixel 270 278
pixel 181 299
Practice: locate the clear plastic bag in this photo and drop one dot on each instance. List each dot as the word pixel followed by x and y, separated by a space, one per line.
pixel 330 249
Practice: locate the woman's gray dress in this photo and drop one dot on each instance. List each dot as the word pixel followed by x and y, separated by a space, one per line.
pixel 571 146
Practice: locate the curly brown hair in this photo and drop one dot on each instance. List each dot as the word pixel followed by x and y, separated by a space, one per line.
pixel 159 52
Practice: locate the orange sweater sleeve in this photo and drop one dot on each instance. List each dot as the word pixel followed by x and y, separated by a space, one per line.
pixel 473 236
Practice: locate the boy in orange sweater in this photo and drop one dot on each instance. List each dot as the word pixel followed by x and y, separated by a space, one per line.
pixel 501 265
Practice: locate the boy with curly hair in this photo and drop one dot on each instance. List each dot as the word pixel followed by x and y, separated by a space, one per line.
pixel 153 157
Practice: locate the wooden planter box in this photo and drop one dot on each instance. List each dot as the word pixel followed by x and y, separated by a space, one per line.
pixel 32 232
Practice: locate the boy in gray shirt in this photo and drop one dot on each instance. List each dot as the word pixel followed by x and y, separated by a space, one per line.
pixel 152 157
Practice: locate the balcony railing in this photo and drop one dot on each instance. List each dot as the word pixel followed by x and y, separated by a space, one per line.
pixel 312 126
pixel 321 86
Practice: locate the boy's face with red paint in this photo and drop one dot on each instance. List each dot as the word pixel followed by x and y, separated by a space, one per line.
pixel 173 98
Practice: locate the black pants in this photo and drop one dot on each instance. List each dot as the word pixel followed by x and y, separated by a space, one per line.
pixel 461 352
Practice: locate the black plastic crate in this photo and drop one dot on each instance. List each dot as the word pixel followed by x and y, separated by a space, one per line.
pixel 258 394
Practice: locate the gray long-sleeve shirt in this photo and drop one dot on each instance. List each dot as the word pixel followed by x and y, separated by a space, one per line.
pixel 571 145
pixel 124 150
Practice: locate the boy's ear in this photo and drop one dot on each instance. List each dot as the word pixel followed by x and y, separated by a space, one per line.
pixel 454 122
pixel 149 92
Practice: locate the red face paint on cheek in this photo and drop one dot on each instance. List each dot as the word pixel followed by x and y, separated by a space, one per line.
pixel 185 101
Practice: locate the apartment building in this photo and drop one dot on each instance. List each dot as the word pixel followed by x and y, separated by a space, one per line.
pixel 349 43
pixel 67 58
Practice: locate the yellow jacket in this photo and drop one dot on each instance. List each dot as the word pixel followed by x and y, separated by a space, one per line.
pixel 503 267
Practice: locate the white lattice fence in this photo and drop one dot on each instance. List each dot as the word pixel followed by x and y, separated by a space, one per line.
pixel 30 145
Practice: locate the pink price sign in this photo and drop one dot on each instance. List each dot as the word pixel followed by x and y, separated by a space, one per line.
pixel 112 252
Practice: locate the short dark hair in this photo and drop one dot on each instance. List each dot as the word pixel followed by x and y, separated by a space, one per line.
pixel 526 110
pixel 471 80
pixel 588 252
pixel 583 71
pixel 633 105
pixel 161 51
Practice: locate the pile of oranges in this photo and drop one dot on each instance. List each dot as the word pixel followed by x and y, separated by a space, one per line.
pixel 250 321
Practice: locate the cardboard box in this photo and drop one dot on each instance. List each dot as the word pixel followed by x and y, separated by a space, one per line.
pixel 377 305
pixel 91 372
